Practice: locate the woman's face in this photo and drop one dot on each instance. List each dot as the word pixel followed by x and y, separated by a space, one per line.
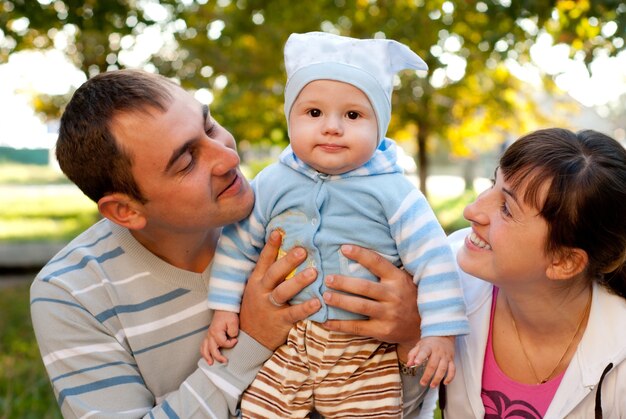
pixel 508 237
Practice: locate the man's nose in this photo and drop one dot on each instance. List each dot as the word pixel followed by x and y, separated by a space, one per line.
pixel 223 158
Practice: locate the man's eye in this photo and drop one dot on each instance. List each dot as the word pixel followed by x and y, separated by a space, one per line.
pixel 211 129
pixel 189 161
pixel 352 115
pixel 315 113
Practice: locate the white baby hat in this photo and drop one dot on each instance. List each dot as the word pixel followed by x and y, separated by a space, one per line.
pixel 368 64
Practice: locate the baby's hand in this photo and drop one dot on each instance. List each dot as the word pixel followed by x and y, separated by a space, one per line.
pixel 439 352
pixel 222 333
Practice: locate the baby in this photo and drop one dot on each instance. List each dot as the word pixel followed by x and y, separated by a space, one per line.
pixel 339 183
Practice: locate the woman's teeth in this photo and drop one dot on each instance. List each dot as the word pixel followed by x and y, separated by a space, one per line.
pixel 478 242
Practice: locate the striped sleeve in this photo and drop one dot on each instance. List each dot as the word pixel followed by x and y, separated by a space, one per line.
pixel 237 252
pixel 425 253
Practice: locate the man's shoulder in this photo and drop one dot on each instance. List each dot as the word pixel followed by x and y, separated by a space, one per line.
pixel 94 244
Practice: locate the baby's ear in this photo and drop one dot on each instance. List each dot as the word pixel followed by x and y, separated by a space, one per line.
pixel 567 263
pixel 122 210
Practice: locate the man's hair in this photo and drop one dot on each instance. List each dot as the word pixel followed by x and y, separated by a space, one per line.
pixel 585 204
pixel 86 148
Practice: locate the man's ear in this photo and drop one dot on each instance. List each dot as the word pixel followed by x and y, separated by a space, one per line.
pixel 567 263
pixel 122 210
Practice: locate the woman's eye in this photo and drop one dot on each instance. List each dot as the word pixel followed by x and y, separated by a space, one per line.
pixel 315 113
pixel 352 115
pixel 505 209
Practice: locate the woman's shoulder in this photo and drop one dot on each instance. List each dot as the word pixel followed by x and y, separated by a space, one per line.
pixel 606 301
pixel 603 345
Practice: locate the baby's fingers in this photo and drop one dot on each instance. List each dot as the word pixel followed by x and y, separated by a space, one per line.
pixel 214 349
pixel 221 338
pixel 232 330
pixel 450 374
pixel 430 370
pixel 411 356
pixel 230 343
pixel 438 368
pixel 205 351
pixel 419 354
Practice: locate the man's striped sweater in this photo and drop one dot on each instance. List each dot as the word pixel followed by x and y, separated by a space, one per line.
pixel 120 329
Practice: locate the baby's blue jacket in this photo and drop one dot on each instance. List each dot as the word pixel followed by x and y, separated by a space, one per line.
pixel 373 206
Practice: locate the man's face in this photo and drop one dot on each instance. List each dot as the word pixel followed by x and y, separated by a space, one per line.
pixel 185 165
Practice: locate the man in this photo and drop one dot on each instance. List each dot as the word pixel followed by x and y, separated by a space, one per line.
pixel 120 313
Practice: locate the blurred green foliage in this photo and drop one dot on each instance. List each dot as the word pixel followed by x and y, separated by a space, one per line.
pixel 467 102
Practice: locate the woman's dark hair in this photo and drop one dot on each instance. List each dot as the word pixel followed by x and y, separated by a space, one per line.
pixel 585 205
pixel 86 149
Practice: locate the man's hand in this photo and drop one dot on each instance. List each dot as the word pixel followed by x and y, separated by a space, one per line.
pixel 269 321
pixel 390 305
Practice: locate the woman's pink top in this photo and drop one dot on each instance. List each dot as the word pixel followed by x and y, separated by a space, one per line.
pixel 506 398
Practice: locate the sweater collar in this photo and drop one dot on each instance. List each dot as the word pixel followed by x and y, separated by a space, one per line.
pixel 156 267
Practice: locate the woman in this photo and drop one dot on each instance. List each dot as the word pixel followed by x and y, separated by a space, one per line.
pixel 547 316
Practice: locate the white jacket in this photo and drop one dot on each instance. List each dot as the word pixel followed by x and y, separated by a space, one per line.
pixel 599 361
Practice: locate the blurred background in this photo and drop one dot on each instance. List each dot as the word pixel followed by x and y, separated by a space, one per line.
pixel 497 69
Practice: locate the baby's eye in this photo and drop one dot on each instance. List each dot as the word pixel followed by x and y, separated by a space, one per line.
pixel 315 113
pixel 352 115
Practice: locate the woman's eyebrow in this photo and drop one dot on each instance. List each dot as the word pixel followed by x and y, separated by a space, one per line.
pixel 511 194
pixel 508 192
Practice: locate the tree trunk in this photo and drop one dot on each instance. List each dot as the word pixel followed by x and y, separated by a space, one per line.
pixel 469 173
pixel 422 157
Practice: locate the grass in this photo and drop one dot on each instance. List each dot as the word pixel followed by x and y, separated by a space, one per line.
pixel 44 214
pixel 25 391
pixel 49 211
pixel 30 174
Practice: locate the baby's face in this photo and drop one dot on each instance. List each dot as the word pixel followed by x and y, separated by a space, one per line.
pixel 333 127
